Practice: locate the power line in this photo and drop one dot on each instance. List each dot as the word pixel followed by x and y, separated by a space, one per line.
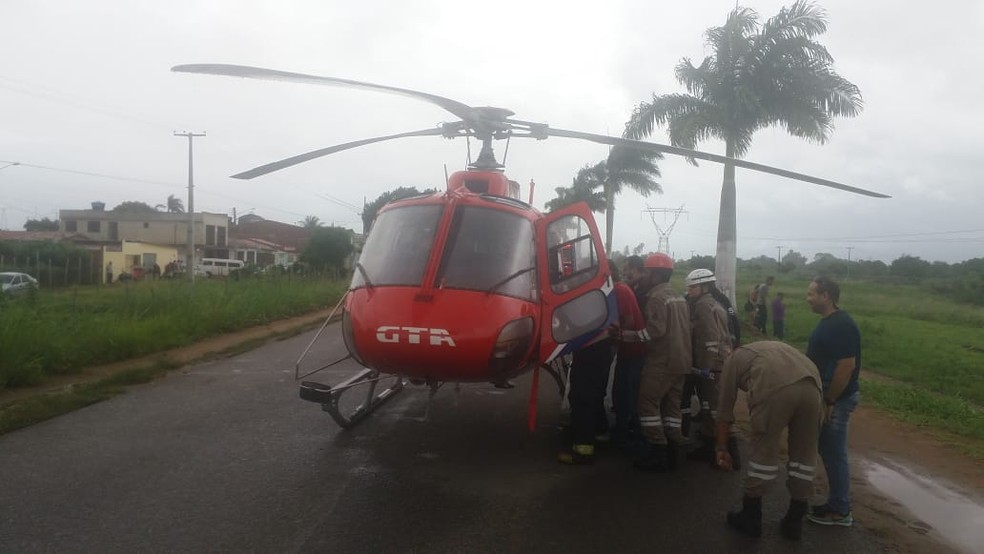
pixel 58 97
pixel 170 186
pixel 93 174
pixel 873 237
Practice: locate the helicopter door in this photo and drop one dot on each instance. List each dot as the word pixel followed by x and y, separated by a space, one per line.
pixel 578 293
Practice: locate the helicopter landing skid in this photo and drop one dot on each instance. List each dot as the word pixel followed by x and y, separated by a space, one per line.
pixel 328 396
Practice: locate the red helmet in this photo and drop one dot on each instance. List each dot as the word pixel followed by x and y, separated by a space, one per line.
pixel 659 260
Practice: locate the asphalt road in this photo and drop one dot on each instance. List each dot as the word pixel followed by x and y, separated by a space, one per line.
pixel 224 457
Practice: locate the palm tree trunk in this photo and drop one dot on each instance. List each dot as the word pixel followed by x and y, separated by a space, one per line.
pixel 726 260
pixel 609 217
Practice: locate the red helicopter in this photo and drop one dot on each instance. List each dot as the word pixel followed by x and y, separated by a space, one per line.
pixel 472 284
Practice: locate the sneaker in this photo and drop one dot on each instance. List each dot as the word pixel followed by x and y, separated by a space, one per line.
pixel 579 454
pixel 823 515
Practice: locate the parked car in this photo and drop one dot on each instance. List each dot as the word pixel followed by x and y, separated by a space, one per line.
pixel 15 284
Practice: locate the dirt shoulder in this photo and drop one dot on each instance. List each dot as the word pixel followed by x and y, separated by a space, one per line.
pixel 874 437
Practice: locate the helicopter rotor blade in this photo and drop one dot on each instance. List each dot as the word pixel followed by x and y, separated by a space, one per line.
pixel 463 111
pixel 301 158
pixel 666 149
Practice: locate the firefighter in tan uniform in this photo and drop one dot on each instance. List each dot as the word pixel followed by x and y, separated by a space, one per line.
pixel 712 346
pixel 668 361
pixel 784 390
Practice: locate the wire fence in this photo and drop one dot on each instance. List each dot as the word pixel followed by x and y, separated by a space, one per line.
pixel 53 272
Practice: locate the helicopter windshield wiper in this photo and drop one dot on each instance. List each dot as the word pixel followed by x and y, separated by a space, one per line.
pixel 365 275
pixel 495 287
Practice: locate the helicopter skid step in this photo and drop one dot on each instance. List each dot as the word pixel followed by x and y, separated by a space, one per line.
pixel 328 396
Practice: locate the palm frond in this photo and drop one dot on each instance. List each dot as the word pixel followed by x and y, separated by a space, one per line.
pixel 694 78
pixel 582 189
pixel 637 169
pixel 802 18
pixel 664 109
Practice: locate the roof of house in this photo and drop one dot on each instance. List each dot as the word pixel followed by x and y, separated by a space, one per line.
pixel 259 244
pixel 283 234
pixel 43 236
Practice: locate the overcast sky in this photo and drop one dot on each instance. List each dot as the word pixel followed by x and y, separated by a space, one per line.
pixel 88 107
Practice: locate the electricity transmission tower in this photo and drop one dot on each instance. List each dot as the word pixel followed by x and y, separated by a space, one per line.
pixel 664 233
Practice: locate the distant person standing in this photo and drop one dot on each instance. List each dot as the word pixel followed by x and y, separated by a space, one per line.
pixel 779 317
pixel 761 305
pixel 835 348
pixel 109 272
pixel 783 389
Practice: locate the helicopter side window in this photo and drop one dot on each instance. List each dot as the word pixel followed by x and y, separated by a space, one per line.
pixel 489 250
pixel 398 247
pixel 571 256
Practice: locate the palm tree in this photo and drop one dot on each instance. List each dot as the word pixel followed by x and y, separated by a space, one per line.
pixel 632 168
pixel 624 167
pixel 311 222
pixel 582 189
pixel 174 205
pixel 757 77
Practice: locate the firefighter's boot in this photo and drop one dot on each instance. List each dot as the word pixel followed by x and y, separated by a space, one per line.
pixel 734 453
pixel 791 525
pixel 654 458
pixel 676 454
pixel 748 521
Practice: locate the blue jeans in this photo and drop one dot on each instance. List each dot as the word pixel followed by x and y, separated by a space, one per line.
pixel 589 379
pixel 833 451
pixel 625 396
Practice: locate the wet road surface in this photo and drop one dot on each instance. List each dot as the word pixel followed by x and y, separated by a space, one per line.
pixel 224 457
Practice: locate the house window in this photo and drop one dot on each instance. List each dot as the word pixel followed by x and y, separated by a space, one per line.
pixel 71 226
pixel 222 236
pixel 210 235
pixel 93 226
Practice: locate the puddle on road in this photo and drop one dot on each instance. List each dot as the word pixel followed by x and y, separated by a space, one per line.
pixel 955 517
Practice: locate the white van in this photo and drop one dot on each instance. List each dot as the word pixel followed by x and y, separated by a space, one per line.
pixel 217 267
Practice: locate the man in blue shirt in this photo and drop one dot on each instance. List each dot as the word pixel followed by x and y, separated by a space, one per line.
pixel 835 347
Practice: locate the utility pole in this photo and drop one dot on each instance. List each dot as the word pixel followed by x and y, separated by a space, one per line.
pixel 849 248
pixel 3 211
pixel 190 255
pixel 780 258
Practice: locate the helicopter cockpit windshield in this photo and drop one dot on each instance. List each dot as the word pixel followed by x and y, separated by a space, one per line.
pixel 491 251
pixel 397 250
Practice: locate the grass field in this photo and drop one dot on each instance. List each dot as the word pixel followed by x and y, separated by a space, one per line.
pixel 62 331
pixel 930 348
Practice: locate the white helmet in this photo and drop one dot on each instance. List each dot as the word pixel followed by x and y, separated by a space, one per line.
pixel 699 276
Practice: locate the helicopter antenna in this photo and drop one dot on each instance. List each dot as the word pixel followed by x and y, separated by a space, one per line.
pixel 447 179
pixel 664 234
pixel 506 153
